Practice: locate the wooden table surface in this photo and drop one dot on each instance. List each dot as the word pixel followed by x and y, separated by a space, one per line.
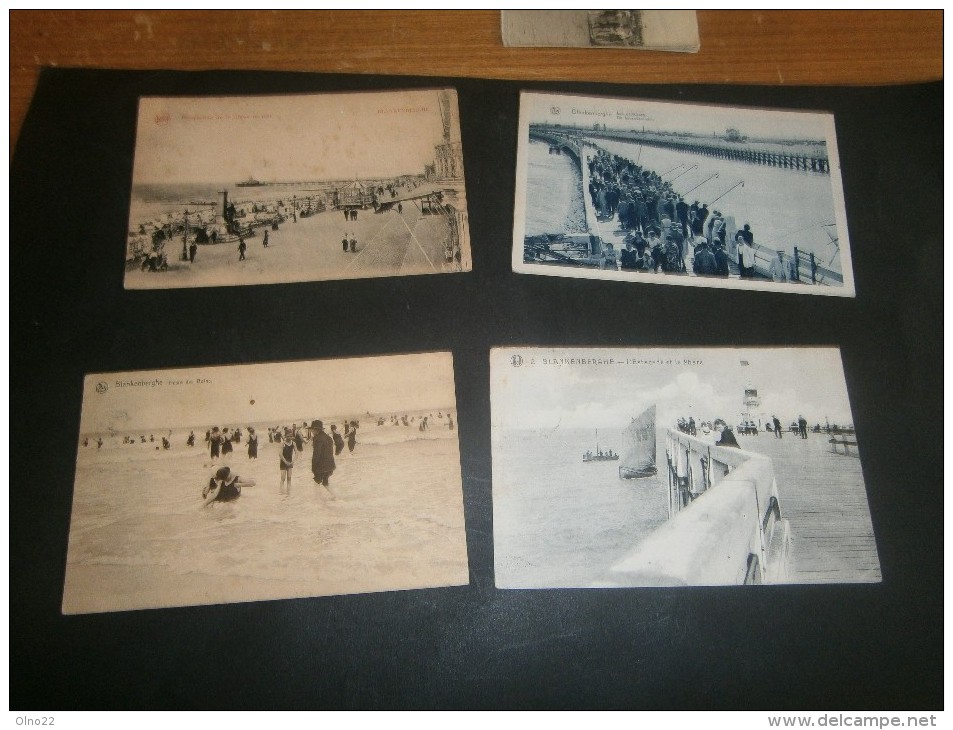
pixel 737 47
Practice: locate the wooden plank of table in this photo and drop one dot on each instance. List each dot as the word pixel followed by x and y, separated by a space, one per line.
pixel 737 47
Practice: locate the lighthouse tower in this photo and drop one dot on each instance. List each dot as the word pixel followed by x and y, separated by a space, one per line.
pixel 750 402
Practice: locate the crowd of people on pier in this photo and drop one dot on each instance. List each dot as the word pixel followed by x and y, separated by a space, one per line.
pixel 772 425
pixel 662 227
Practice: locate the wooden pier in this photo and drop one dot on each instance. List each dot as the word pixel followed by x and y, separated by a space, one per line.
pixel 824 499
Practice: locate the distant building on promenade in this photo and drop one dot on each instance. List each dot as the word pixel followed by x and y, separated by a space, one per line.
pixel 448 156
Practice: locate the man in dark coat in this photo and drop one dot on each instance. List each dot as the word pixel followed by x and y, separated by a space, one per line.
pixel 322 458
pixel 721 261
pixel 704 264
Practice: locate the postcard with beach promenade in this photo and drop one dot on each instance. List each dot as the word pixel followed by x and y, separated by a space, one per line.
pixel 267 481
pixel 271 189
pixel 676 467
pixel 678 193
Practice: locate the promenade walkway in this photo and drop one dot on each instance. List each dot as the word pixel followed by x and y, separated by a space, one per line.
pixel 823 498
pixel 610 229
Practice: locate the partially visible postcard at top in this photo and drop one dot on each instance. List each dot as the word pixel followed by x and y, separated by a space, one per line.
pixel 272 189
pixel 684 194
pixel 274 480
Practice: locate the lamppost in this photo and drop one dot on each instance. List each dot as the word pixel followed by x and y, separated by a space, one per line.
pixel 185 238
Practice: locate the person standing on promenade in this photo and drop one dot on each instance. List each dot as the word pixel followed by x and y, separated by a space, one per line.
pixel 704 263
pixel 193 249
pixel 241 248
pixel 264 241
pixel 746 259
pixel 352 242
pixel 726 436
pixel 627 260
pixel 344 243
pixel 721 261
pixel 802 426
pixel 779 269
pixel 747 235
pixel 777 427
pixel 322 456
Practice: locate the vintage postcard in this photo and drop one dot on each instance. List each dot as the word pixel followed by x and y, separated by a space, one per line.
pixel 684 194
pixel 676 467
pixel 653 30
pixel 272 189
pixel 268 481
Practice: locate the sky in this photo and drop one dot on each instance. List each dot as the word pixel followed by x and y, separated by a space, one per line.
pixel 680 117
pixel 790 382
pixel 288 138
pixel 280 392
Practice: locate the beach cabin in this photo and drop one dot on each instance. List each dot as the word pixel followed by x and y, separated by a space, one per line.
pixel 353 195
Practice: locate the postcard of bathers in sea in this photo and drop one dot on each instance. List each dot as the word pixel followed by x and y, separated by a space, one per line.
pixel 266 481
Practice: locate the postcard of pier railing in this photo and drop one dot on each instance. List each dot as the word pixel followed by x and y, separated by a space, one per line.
pixel 677 193
pixel 619 467
pixel 271 189
pixel 266 481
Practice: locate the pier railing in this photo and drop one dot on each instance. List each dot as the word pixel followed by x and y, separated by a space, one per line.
pixel 725 525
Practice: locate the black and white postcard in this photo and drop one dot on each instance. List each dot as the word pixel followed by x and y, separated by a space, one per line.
pixel 271 189
pixel 684 194
pixel 266 481
pixel 674 467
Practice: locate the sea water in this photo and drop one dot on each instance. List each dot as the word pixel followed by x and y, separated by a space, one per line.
pixel 554 201
pixel 561 522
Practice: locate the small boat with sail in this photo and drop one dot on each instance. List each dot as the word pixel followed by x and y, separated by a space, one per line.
pixel 639 460
pixel 599 454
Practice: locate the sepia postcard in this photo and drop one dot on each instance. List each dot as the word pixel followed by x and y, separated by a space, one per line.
pixel 651 30
pixel 272 189
pixel 267 481
pixel 676 467
pixel 684 194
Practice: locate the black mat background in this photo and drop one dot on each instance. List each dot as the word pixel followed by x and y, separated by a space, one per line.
pixel 793 647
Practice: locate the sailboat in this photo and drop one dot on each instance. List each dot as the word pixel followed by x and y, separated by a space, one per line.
pixel 599 454
pixel 639 461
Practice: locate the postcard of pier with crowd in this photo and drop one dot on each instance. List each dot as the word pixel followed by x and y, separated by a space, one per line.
pixel 678 193
pixel 619 467
pixel 267 481
pixel 272 189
